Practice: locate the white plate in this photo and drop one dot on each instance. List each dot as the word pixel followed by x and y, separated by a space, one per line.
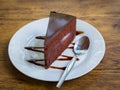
pixel 87 62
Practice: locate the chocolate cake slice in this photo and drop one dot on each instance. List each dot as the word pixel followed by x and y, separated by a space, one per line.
pixel 60 33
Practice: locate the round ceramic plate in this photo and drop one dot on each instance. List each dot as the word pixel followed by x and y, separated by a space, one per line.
pixel 25 36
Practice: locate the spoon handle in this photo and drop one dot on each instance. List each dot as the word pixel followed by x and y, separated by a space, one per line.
pixel 66 72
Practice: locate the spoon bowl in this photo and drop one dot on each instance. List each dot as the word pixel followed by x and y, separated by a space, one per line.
pixel 81 46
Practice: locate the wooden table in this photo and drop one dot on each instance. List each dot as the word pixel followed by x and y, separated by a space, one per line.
pixel 103 14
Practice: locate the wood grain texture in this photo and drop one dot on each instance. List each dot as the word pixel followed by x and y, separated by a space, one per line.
pixel 103 14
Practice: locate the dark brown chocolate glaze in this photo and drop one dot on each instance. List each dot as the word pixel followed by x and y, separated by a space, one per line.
pixel 36 49
pixel 40 37
pixel 34 62
pixel 79 32
pixel 65 58
pixel 54 67
pixel 71 47
pixel 73 43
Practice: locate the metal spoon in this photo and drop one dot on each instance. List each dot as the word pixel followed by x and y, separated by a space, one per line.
pixel 80 48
